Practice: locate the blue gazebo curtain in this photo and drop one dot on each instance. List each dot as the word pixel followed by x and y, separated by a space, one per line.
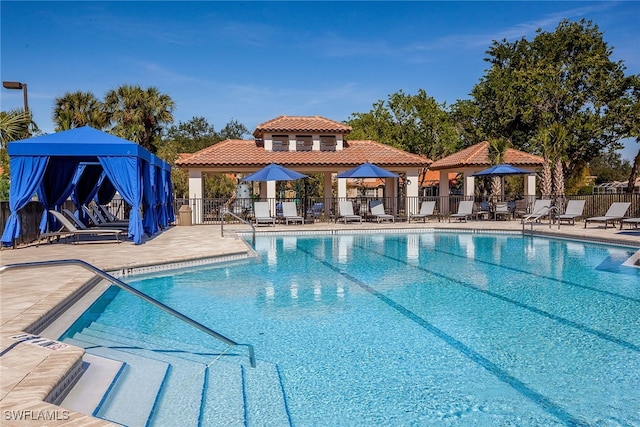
pixel 86 187
pixel 105 192
pixel 150 220
pixel 168 186
pixel 26 176
pixel 125 175
pixel 55 187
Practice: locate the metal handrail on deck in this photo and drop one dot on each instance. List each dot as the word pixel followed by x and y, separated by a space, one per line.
pixel 537 215
pixel 134 291
pixel 244 221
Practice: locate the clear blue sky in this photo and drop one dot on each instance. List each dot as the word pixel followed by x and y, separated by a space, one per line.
pixel 253 61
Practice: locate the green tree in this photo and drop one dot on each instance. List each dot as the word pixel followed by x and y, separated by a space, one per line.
pixel 77 109
pixel 608 167
pixel 195 135
pixel 465 114
pixel 233 130
pixel 497 150
pixel 415 123
pixel 139 114
pixel 565 77
pixel 14 125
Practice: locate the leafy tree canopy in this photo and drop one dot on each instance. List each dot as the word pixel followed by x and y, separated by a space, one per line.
pixel 415 123
pixel 565 79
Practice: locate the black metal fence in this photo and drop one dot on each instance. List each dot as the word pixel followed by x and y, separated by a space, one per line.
pixel 209 211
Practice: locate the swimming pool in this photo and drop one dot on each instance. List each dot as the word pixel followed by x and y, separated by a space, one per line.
pixel 412 329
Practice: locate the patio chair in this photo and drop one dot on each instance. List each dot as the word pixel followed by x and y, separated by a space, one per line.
pixel 465 210
pixel 426 210
pixel 262 214
pixel 97 222
pixel 501 210
pixel 345 210
pixel 109 217
pixel 70 229
pixel 574 211
pixel 539 210
pixel 631 221
pixel 82 226
pixel 616 212
pixel 290 213
pixel 481 210
pixel 377 211
pixel 316 210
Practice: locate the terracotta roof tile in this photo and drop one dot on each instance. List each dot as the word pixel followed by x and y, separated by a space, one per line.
pixel 248 153
pixel 311 124
pixel 478 155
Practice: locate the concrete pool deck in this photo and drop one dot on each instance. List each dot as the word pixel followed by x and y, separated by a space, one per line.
pixel 33 369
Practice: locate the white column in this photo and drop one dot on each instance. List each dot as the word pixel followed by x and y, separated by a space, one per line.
pixel 530 185
pixel 444 192
pixel 413 189
pixel 271 189
pixel 390 193
pixel 271 196
pixel 328 192
pixel 195 195
pixel 469 185
pixel 342 187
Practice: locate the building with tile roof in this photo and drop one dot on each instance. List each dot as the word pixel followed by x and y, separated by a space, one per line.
pixel 476 158
pixel 306 144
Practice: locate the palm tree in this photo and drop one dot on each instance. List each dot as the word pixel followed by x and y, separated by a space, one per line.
pixel 76 109
pixel 546 178
pixel 138 114
pixel 497 149
pixel 14 125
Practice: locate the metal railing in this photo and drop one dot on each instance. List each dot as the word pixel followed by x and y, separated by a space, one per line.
pixel 244 221
pixel 546 211
pixel 134 291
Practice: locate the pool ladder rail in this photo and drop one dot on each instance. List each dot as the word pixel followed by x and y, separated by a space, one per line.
pixel 244 221
pixel 547 210
pixel 139 294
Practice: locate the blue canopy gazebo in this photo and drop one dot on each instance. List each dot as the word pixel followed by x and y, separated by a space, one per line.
pixel 87 164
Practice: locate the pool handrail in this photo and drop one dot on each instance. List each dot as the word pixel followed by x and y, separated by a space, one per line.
pixel 98 272
pixel 244 221
pixel 535 216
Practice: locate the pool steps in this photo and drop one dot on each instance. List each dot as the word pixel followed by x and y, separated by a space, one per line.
pixel 126 405
pixel 230 393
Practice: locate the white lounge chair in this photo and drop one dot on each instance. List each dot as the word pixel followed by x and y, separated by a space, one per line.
pixel 377 211
pixel 97 222
pixel 633 222
pixel 481 210
pixel 345 210
pixel 262 215
pixel 501 209
pixel 69 229
pixel 540 210
pixel 616 212
pixel 290 213
pixel 574 211
pixel 106 215
pixel 465 210
pixel 426 211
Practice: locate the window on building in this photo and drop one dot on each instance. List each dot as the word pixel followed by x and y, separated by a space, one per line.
pixel 327 143
pixel 304 143
pixel 280 142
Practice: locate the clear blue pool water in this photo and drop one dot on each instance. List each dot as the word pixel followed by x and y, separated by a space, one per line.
pixel 421 329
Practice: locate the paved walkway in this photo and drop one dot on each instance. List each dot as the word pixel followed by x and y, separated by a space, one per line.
pixel 31 370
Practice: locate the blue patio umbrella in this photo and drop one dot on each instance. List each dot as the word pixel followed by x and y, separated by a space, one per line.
pixel 367 170
pixel 502 170
pixel 274 172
